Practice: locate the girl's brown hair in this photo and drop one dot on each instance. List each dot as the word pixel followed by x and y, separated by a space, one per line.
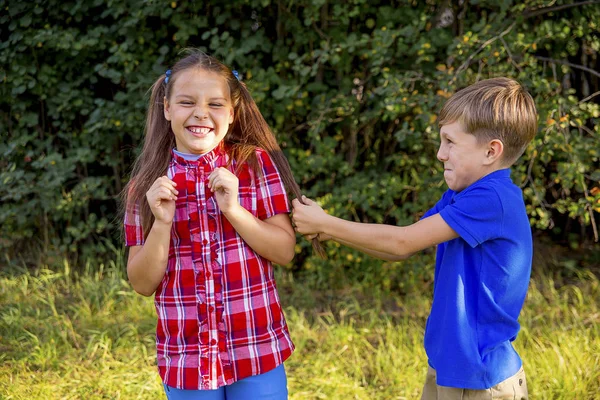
pixel 248 131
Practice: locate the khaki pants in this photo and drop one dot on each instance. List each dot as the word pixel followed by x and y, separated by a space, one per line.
pixel 513 388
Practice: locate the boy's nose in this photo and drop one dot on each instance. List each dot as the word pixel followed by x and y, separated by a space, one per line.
pixel 441 155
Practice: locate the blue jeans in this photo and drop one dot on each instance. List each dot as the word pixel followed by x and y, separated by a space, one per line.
pixel 271 385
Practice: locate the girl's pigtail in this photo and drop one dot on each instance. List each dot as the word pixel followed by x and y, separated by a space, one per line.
pixel 251 120
pixel 153 161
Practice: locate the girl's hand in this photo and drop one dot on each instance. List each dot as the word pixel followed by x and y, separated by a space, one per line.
pixel 308 217
pixel 161 197
pixel 225 186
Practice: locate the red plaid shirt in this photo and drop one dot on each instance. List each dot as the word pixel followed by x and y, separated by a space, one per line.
pixel 219 316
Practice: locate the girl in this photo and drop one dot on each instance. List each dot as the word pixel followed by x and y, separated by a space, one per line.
pixel 206 214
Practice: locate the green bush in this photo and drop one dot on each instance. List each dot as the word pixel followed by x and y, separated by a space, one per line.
pixel 351 88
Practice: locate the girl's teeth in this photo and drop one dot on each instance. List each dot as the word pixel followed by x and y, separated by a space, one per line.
pixel 200 130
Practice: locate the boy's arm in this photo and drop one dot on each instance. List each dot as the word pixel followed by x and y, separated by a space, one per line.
pixel 396 241
pixel 376 254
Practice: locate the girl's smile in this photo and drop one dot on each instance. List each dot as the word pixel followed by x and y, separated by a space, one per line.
pixel 199 131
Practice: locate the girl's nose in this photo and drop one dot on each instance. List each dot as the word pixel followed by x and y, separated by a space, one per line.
pixel 199 113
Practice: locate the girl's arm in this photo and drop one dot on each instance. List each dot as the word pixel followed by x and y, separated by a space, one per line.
pixel 272 238
pixel 146 264
pixel 399 241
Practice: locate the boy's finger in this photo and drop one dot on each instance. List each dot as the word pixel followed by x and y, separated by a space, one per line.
pixel 307 201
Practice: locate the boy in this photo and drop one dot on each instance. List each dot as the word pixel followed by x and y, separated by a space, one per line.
pixel 483 238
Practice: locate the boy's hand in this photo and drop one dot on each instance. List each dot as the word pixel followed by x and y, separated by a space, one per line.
pixel 321 237
pixel 225 186
pixel 161 197
pixel 308 217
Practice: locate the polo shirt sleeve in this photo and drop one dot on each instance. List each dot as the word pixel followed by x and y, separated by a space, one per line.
pixel 439 205
pixel 476 215
pixel 271 197
pixel 134 236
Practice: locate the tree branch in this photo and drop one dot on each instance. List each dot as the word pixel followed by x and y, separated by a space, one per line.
pixel 544 10
pixel 465 65
pixel 591 96
pixel 576 66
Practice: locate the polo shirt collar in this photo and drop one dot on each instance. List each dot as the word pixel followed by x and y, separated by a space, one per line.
pixel 498 174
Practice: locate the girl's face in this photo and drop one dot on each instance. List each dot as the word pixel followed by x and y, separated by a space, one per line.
pixel 199 109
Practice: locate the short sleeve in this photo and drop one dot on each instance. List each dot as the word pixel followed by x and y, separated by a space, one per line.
pixel 271 197
pixel 476 215
pixel 134 235
pixel 446 197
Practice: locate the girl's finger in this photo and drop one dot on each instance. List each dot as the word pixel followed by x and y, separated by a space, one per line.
pixel 166 179
pixel 216 184
pixel 171 195
pixel 163 181
pixel 211 178
pixel 164 194
pixel 169 185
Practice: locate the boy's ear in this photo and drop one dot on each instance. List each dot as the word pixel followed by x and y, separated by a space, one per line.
pixel 166 109
pixel 494 151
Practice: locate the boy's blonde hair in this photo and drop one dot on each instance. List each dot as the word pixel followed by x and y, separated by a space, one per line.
pixel 497 108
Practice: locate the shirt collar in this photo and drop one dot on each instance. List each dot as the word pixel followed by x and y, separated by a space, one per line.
pixel 204 159
pixel 498 174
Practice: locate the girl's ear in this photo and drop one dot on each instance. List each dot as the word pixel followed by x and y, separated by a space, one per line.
pixel 231 116
pixel 166 109
pixel 494 151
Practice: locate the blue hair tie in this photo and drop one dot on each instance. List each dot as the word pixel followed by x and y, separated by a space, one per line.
pixel 236 74
pixel 167 76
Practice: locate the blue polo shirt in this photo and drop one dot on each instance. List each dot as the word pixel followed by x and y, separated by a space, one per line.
pixel 481 279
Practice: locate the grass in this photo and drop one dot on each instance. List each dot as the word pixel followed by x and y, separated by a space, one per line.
pixel 85 334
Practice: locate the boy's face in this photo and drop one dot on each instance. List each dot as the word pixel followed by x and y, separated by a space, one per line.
pixel 465 160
